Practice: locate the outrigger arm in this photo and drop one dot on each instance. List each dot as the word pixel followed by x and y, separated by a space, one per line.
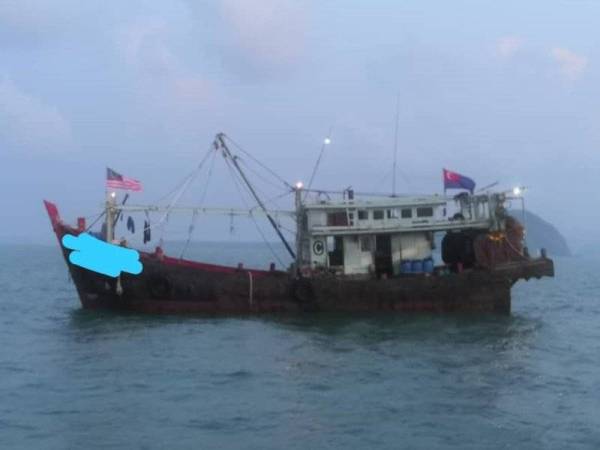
pixel 202 210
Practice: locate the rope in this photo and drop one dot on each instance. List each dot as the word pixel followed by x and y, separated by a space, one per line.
pixel 271 200
pixel 162 231
pixel 277 197
pixel 383 179
pixel 195 214
pixel 210 149
pixel 255 172
pixel 185 186
pixel 289 230
pixel 95 221
pixel 387 174
pixel 184 180
pixel 94 215
pixel 316 167
pixel 272 172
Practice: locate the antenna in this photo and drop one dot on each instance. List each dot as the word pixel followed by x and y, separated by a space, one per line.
pixel 326 142
pixel 396 146
pixel 489 186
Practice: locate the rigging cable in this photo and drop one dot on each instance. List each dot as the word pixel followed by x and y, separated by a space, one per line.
pixel 95 221
pixel 195 213
pixel 184 188
pixel 237 185
pixel 184 179
pixel 277 197
pixel 220 144
pixel 178 186
pixel 272 172
pixel 271 200
pixel 316 167
pixel 162 231
pixel 260 177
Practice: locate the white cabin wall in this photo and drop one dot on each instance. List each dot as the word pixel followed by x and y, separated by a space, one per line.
pixel 351 254
pixel 316 259
pixel 355 260
pixel 317 218
pixel 366 259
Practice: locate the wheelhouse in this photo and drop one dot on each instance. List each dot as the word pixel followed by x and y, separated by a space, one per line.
pixel 384 235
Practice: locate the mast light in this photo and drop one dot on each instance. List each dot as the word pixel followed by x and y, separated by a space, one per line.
pixel 299 185
pixel 327 141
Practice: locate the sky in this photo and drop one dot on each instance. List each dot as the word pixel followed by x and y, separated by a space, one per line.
pixel 499 91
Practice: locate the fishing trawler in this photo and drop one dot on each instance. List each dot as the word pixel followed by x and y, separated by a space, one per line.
pixel 352 253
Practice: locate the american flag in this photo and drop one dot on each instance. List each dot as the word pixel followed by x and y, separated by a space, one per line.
pixel 115 180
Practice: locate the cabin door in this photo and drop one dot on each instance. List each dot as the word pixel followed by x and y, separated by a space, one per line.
pixel 335 246
pixel 383 255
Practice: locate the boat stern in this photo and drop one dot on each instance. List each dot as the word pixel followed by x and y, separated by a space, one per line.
pixel 525 270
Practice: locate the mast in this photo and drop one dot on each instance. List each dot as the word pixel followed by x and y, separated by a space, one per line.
pixel 299 226
pixel 396 147
pixel 220 143
pixel 110 216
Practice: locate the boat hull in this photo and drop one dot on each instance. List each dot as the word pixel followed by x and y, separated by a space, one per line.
pixel 175 286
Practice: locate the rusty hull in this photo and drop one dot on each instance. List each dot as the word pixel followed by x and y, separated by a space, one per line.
pixel 176 286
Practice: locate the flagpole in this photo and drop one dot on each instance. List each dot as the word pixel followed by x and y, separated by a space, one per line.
pixel 444 180
pixel 110 211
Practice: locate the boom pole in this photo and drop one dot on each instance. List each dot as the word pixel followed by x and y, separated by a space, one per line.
pixel 220 143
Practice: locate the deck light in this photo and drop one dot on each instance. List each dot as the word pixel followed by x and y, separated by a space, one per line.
pixel 113 194
pixel 517 191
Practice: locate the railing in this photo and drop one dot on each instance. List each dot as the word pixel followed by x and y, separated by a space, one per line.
pixel 399 227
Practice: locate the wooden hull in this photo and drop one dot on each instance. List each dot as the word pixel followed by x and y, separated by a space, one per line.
pixel 168 285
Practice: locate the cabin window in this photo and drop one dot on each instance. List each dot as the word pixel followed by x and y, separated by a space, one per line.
pixel 337 219
pixel 406 213
pixel 392 213
pixel 366 243
pixel 378 214
pixel 425 211
pixel 363 214
pixel 330 241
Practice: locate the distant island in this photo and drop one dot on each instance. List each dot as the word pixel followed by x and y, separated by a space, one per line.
pixel 542 234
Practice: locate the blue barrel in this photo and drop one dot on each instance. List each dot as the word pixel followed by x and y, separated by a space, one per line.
pixel 428 265
pixel 417 266
pixel 405 266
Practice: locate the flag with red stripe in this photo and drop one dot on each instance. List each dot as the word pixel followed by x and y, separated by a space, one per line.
pixel 453 180
pixel 115 180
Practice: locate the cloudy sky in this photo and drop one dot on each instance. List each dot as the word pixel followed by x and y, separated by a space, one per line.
pixel 501 91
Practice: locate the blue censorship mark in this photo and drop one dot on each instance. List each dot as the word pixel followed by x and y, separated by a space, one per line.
pixel 98 256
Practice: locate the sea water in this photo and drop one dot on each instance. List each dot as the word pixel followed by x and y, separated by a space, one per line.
pixel 79 379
